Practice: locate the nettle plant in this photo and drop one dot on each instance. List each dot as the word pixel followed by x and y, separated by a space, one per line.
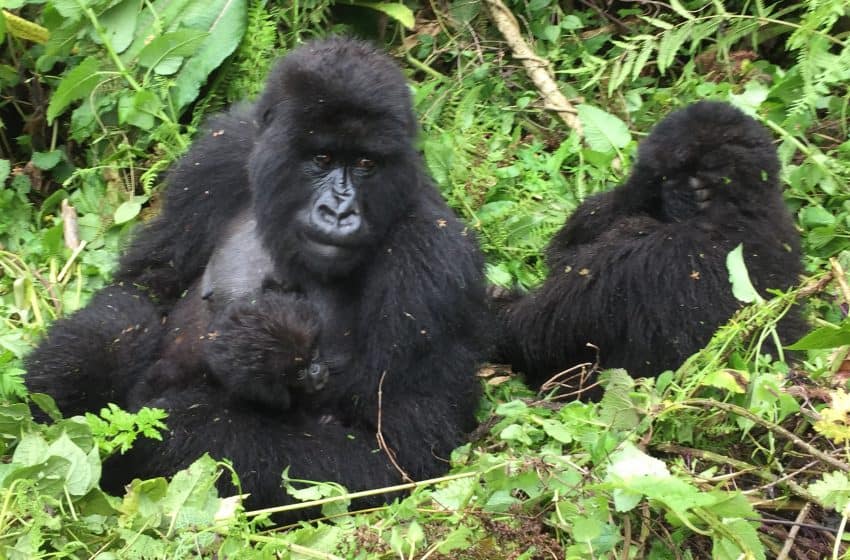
pixel 135 68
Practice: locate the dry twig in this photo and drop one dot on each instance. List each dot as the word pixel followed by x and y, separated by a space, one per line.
pixel 841 278
pixel 536 67
pixel 70 230
pixel 792 534
pixel 775 428
pixel 382 443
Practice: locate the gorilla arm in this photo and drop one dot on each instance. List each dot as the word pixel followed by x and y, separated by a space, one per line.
pixel 207 188
pixel 93 356
pixel 634 293
pixel 430 392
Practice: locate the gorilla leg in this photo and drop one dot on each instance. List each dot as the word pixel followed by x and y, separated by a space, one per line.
pixel 92 357
pixel 203 419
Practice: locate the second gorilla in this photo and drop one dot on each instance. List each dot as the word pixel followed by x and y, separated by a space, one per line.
pixel 640 271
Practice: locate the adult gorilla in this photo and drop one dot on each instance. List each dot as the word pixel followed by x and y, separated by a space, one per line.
pixel 341 250
pixel 640 271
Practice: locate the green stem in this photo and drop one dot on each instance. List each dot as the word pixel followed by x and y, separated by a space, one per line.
pixel 365 493
pixel 116 60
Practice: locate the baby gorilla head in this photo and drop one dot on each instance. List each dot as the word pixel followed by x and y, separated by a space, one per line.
pixel 263 349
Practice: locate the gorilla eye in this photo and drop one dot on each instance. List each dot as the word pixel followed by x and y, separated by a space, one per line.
pixel 322 160
pixel 267 116
pixel 364 164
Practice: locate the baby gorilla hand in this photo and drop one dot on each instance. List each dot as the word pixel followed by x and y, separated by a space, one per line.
pixel 264 349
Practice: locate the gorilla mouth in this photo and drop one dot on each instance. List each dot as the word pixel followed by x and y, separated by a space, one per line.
pixel 325 248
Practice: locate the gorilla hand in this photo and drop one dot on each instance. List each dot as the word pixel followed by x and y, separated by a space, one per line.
pixel 263 349
pixel 684 198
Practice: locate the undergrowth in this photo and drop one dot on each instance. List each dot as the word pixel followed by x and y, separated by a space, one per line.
pixel 736 455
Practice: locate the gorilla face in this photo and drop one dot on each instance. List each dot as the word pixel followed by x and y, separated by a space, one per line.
pixel 334 164
pixel 332 229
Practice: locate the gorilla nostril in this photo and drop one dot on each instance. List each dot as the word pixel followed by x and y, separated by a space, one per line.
pixel 350 221
pixel 327 215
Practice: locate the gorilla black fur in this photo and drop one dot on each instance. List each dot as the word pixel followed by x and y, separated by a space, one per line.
pixel 640 271
pixel 372 275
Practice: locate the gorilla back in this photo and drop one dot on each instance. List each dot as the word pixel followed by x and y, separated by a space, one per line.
pixel 372 275
pixel 640 271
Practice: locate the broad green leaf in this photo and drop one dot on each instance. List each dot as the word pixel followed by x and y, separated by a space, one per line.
pixel 456 494
pixel 224 21
pixel 734 381
pixel 90 226
pixel 628 464
pixel 824 337
pixel 47 405
pixel 119 22
pixel 463 11
pixel 169 13
pixel 755 93
pixel 742 288
pixel 814 216
pixel 603 131
pixel 165 53
pixel 48 477
pixel 557 431
pixel 31 450
pixel 138 109
pixel 674 493
pixel 144 501
pixel 585 529
pixel 728 549
pixel 80 478
pixel 76 84
pixel 46 160
pixel 616 409
pixel 129 209
pixel 70 9
pixel 512 409
pixel 13 418
pixel 5 169
pixel 833 491
pixel 191 498
pixel 459 538
pixel 397 11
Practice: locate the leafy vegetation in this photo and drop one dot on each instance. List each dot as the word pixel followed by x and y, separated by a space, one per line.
pixel 736 455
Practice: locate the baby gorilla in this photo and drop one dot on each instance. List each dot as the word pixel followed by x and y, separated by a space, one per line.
pixel 263 335
pixel 276 353
pixel 256 339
